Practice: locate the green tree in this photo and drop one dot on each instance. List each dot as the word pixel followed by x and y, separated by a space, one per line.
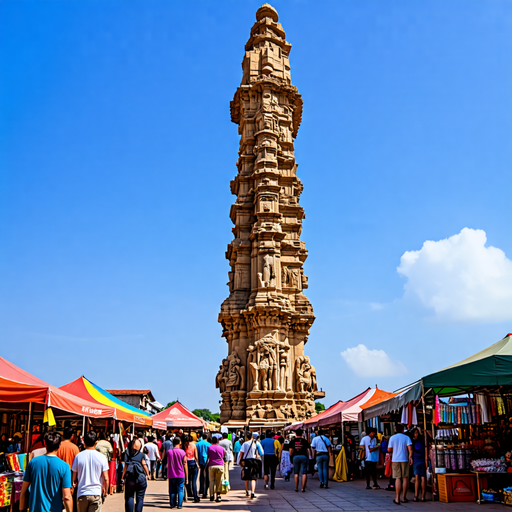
pixel 216 417
pixel 204 414
pixel 319 407
pixel 170 404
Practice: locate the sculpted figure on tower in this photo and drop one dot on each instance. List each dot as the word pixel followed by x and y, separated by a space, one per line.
pixel 266 319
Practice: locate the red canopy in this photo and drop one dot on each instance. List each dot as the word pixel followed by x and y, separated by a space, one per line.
pixel 313 422
pixel 17 385
pixel 176 416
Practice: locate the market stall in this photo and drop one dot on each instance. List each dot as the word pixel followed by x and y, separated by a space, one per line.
pixel 177 416
pixel 467 408
pixel 22 398
pixel 87 390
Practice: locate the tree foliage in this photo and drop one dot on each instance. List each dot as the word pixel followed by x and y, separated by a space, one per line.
pixel 169 405
pixel 319 407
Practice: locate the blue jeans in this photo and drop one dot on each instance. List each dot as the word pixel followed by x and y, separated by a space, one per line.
pixel 322 461
pixel 300 465
pixel 192 479
pixel 134 488
pixel 176 491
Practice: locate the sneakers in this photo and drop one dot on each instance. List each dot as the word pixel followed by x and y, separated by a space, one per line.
pixel 212 498
pixel 253 496
pixel 321 485
pixel 266 486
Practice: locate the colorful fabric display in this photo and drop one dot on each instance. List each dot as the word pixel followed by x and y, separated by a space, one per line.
pixel 6 486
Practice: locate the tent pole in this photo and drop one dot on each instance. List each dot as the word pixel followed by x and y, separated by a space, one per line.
pixel 425 433
pixel 28 444
pixel 83 427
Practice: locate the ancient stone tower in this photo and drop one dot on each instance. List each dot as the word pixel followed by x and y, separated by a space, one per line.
pixel 266 378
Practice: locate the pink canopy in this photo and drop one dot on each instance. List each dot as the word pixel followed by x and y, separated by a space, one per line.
pixel 177 416
pixel 351 410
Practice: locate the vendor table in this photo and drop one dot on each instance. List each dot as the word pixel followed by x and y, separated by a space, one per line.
pixel 485 473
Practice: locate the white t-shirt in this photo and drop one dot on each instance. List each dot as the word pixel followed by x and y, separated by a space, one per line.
pixel 368 443
pixel 320 444
pixel 89 466
pixel 228 447
pixel 249 449
pixel 153 452
pixel 399 443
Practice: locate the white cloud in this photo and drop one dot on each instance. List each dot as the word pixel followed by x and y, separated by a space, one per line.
pixel 372 363
pixel 376 306
pixel 460 279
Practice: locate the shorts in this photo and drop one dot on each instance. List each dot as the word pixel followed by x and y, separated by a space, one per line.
pixel 400 469
pixel 300 465
pixel 251 469
pixel 419 468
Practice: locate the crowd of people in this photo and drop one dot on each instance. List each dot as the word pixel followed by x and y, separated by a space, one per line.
pixel 78 472
pixel 70 472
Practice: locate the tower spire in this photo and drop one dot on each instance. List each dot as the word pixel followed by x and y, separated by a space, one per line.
pixel 266 377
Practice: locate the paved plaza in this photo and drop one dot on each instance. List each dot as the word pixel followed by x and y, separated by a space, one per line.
pixel 350 496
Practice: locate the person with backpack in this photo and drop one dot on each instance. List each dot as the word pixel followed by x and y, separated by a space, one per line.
pixel 250 460
pixel 135 475
pixel 321 447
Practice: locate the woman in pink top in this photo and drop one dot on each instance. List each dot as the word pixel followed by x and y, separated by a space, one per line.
pixel 177 473
pixel 193 464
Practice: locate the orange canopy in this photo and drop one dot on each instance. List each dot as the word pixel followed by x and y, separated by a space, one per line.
pixel 17 385
pixel 177 416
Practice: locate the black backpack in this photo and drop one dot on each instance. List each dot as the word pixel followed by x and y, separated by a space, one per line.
pixel 134 469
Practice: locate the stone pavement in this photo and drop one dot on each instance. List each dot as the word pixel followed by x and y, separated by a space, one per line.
pixel 350 496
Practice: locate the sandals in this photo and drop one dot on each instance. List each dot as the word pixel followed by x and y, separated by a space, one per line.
pixel 396 503
pixel 405 500
pixel 376 487
pixel 368 487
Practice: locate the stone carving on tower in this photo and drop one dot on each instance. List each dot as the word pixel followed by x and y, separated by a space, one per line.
pixel 266 319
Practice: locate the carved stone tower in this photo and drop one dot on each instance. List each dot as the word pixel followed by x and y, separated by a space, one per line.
pixel 266 378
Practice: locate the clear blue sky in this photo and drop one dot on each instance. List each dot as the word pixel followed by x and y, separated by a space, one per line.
pixel 117 151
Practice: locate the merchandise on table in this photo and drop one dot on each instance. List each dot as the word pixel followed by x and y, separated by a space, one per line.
pixel 489 465
pixel 6 486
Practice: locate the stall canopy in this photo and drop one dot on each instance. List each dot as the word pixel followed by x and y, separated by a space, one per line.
pixel 394 402
pixel 351 410
pixel 19 386
pixel 488 368
pixel 295 426
pixel 313 422
pixel 87 390
pixel 177 416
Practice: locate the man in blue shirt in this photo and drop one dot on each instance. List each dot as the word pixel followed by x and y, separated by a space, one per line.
pixel 271 453
pixel 204 479
pixel 321 447
pixel 49 480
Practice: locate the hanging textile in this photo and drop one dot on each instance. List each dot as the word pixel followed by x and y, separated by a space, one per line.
pixel 437 412
pixel 414 419
pixel 501 406
pixel 405 416
pixel 341 468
